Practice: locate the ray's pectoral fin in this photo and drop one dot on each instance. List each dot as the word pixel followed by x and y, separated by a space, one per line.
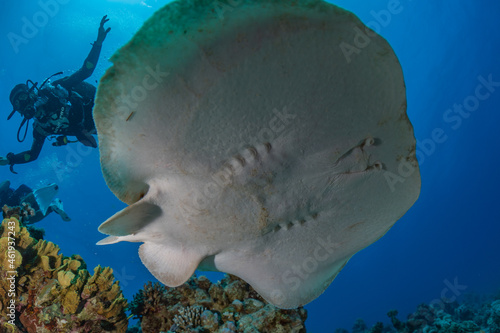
pixel 171 266
pixel 170 263
pixel 129 221
pixel 281 283
pixel 293 290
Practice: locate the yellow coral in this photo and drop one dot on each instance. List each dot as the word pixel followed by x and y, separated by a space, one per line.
pixel 48 254
pixel 70 302
pixel 51 288
pixel 73 265
pixel 48 249
pixel 10 226
pixel 9 256
pixel 46 263
pixel 103 278
pixel 24 240
pixel 65 278
pixel 81 280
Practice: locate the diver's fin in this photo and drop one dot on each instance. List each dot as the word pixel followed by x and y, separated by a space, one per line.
pixel 171 265
pixel 4 186
pixel 44 196
pixel 57 206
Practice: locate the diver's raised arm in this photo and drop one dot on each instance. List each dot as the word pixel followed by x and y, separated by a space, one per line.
pixel 90 62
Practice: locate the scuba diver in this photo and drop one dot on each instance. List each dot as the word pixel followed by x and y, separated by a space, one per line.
pixel 42 201
pixel 60 109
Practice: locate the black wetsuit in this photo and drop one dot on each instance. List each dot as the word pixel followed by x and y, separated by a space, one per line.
pixel 67 115
pixel 23 194
pixel 13 198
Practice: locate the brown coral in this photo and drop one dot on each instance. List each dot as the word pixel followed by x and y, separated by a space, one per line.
pixel 189 317
pixel 230 305
pixel 23 212
pixel 53 293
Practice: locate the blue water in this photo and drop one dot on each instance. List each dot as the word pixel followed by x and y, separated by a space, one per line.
pixel 451 235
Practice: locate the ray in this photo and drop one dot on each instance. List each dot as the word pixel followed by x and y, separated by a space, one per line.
pixel 251 145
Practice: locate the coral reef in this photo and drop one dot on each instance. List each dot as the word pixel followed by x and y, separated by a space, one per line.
pixel 44 291
pixel 188 317
pixel 475 315
pixel 361 327
pixel 21 213
pixel 227 306
pixel 451 318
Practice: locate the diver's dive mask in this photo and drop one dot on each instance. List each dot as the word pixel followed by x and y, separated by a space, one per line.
pixel 23 98
pixel 26 105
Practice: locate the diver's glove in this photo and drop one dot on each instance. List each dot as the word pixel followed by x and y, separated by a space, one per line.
pixel 7 161
pixel 60 141
pixel 102 33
